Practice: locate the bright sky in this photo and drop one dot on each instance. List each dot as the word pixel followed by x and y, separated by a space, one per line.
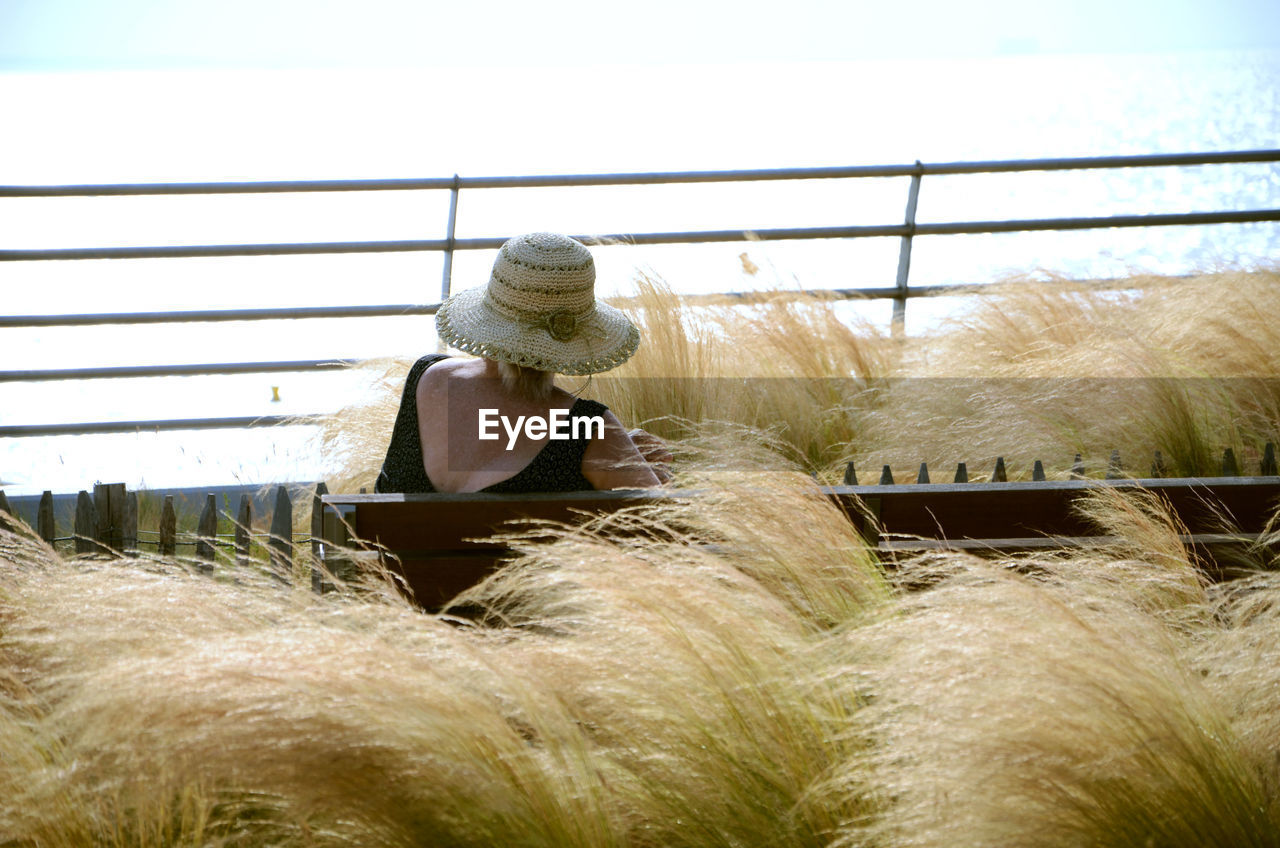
pixel 394 88
pixel 102 34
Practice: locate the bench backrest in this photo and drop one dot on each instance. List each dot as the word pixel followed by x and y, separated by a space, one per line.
pixel 1046 508
pixel 440 542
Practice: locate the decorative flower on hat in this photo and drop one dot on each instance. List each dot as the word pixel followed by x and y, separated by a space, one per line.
pixel 562 326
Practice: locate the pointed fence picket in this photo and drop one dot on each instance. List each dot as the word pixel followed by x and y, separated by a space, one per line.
pixel 106 523
pixel 1267 467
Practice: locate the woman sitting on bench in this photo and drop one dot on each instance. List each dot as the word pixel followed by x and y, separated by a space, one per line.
pixel 498 423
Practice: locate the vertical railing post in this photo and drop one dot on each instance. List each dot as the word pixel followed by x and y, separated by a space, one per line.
pixel 904 253
pixel 447 280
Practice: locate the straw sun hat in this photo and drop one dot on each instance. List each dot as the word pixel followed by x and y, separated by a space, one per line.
pixel 540 310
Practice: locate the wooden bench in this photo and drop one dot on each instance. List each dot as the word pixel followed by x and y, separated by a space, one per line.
pixel 440 542
pixel 1222 515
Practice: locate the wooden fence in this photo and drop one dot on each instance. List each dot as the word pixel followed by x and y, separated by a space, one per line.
pixel 106 521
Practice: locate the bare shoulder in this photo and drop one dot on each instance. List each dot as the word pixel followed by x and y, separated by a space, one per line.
pixel 435 378
pixel 453 366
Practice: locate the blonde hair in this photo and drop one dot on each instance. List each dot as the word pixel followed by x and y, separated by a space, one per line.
pixel 526 382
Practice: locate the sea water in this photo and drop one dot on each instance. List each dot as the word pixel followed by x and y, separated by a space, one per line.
pixel 198 126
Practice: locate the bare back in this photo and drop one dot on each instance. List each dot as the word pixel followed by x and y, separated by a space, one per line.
pixel 451 396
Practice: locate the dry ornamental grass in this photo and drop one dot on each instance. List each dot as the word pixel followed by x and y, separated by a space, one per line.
pixel 733 670
pixel 1032 370
pixel 736 669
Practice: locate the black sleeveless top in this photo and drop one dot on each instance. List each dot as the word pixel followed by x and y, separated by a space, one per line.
pixel 556 468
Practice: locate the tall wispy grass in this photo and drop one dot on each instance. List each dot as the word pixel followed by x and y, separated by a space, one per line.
pixel 1034 369
pixel 1013 711
pixel 773 361
pixel 1053 368
pixel 732 669
pixel 149 704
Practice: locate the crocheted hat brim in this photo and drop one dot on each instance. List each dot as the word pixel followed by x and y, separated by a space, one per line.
pixel 602 339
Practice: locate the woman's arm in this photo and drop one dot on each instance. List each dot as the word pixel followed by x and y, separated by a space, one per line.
pixel 655 451
pixel 614 462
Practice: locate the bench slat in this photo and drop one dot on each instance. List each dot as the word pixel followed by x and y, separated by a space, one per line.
pixel 441 543
pixel 1009 510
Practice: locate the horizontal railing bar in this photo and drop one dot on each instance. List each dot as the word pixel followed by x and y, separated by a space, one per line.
pixel 393 310
pixel 716 236
pixel 1120 221
pixel 205 251
pixel 866 293
pixel 859 171
pixel 100 427
pixel 489 243
pixel 237 187
pixel 1160 160
pixel 644 178
pixel 185 370
pixel 212 315
pixel 683 237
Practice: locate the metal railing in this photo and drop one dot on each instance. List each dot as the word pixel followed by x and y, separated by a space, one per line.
pixel 900 292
